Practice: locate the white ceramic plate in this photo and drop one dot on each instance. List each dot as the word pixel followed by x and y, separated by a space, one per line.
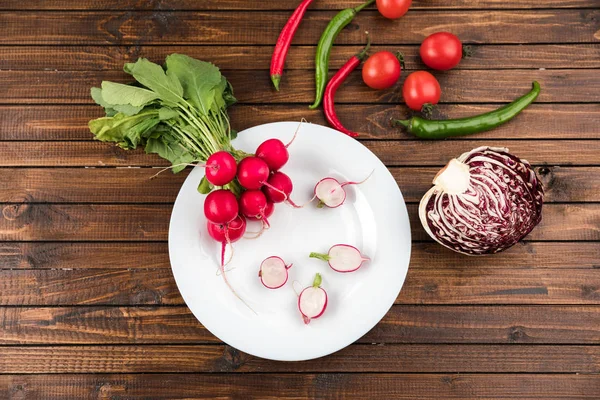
pixel 373 218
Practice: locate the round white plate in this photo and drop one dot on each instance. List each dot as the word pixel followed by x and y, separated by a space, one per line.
pixel 373 218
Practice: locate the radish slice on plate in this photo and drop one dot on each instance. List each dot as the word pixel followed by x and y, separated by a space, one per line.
pixel 342 258
pixel 273 272
pixel 312 301
pixel 331 192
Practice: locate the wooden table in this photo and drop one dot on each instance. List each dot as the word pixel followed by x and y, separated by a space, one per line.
pixel 89 308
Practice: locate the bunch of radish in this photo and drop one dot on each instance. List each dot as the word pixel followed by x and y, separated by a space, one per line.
pixel 258 184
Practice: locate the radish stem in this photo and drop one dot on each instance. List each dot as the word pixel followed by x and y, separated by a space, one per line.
pixel 320 256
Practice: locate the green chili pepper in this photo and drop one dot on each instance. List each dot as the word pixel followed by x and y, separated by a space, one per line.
pixel 335 26
pixel 428 129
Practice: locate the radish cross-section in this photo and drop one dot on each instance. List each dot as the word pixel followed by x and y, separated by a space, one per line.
pixel 312 301
pixel 342 258
pixel 331 192
pixel 273 272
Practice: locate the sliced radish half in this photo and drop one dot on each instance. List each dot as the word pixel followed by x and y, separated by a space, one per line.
pixel 330 193
pixel 342 258
pixel 273 272
pixel 312 301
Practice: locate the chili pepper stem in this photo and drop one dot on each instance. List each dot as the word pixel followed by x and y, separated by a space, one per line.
pixel 366 4
pixel 363 53
pixel 400 122
pixel 276 79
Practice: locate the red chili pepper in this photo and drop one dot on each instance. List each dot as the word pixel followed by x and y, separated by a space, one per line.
pixel 335 83
pixel 284 41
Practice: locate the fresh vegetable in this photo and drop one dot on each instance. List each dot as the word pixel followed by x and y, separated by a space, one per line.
pixel 482 202
pixel 393 9
pixel 278 187
pixel 267 212
pixel 220 206
pixel 428 129
pixel 421 90
pixel 331 192
pixel 312 301
pixel 285 40
pixel 441 51
pixel 342 258
pixel 334 84
pixel 227 234
pixel 252 173
pixel 274 153
pixel 220 168
pixel 178 113
pixel 253 204
pixel 273 272
pixel 382 70
pixel 329 35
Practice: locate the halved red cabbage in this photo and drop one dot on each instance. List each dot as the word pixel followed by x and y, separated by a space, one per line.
pixel 482 202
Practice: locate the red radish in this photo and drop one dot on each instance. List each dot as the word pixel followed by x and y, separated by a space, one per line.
pixel 227 234
pixel 331 193
pixel 220 168
pixel 252 173
pixel 274 152
pixel 312 301
pixel 342 258
pixel 220 206
pixel 273 272
pixel 278 187
pixel 253 203
pixel 267 212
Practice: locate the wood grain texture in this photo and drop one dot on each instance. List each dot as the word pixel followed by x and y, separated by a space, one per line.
pixel 132 185
pixel 168 5
pixel 403 324
pixel 97 286
pixel 98 58
pixel 538 121
pixel 382 358
pixel 392 153
pixel 460 86
pixel 166 27
pixel 474 285
pixel 425 255
pixel 99 222
pixel 295 386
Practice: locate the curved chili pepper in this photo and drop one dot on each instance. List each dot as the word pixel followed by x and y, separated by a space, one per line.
pixel 427 129
pixel 335 26
pixel 335 83
pixel 284 41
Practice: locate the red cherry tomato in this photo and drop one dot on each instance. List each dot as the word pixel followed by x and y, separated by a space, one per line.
pixel 421 88
pixel 441 51
pixel 393 9
pixel 381 70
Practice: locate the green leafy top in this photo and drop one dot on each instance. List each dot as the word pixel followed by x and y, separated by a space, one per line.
pixel 178 113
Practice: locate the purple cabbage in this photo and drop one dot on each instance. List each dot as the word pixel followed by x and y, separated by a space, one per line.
pixel 483 202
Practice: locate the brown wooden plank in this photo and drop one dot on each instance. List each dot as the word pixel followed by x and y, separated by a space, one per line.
pixel 392 153
pixel 118 255
pixel 68 222
pixel 296 386
pixel 499 286
pixel 132 185
pixel 480 26
pixel 423 286
pixel 402 324
pixel 429 255
pixel 383 358
pixel 98 286
pixel 169 5
pixel 460 86
pixel 97 58
pixel 539 121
